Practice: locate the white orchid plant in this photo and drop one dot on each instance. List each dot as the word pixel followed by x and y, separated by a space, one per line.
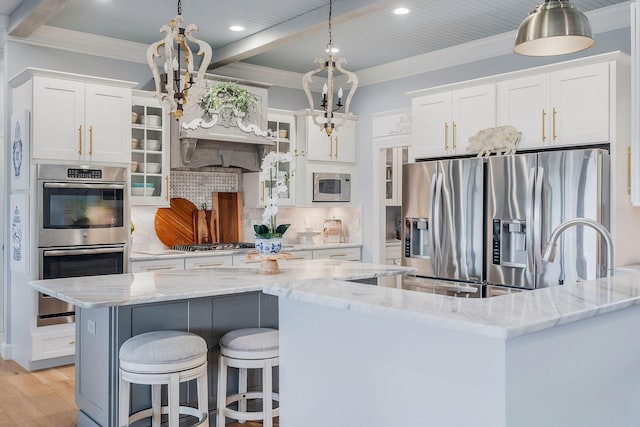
pixel 277 187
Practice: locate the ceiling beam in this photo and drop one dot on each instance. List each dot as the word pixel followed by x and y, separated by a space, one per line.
pixel 32 14
pixel 298 26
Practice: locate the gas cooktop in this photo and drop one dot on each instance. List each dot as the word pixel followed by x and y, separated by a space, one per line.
pixel 213 246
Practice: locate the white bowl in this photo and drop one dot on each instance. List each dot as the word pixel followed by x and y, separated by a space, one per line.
pixel 153 144
pixel 134 166
pixel 149 167
pixel 141 191
pixel 151 120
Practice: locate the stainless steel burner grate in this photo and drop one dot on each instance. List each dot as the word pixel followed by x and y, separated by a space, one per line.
pixel 213 246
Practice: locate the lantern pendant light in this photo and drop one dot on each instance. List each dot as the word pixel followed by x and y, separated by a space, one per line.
pixel 327 121
pixel 173 89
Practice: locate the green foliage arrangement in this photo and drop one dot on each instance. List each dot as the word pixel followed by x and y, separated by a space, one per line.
pixel 227 96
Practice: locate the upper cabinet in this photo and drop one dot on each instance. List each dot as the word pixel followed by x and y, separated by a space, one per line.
pixel 564 107
pixel 76 118
pixel 150 164
pixel 80 121
pixel 444 121
pixel 394 158
pixel 340 147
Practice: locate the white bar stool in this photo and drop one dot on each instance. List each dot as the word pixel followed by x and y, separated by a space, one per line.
pixel 253 348
pixel 163 357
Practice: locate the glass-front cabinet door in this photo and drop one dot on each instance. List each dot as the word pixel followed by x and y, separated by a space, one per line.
pixel 394 159
pixel 149 151
pixel 281 125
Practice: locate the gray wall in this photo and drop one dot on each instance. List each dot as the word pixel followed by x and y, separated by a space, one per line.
pixel 392 95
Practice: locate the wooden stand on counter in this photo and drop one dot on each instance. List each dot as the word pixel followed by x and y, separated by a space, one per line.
pixel 268 263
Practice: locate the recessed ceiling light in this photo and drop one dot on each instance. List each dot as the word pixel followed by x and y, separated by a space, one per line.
pixel 401 11
pixel 236 28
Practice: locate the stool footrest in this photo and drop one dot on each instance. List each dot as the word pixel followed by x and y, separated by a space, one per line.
pixel 184 410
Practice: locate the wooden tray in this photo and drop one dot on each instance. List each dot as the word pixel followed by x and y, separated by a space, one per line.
pixel 174 225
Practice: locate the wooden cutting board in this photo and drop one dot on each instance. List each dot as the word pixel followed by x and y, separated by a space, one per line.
pixel 174 225
pixel 227 208
pixel 201 231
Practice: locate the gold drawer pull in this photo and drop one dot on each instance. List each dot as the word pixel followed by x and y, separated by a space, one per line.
pixel 80 146
pixel 336 255
pixel 160 268
pixel 211 264
pixel 446 136
pixel 91 140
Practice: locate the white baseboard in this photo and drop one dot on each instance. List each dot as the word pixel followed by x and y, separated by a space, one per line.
pixel 5 349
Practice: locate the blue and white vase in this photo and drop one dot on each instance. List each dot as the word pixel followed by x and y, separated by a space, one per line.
pixel 269 246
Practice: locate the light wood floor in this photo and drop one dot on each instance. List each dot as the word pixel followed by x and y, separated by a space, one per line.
pixel 44 398
pixel 41 398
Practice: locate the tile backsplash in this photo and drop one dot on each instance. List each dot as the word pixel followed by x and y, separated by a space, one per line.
pixel 198 186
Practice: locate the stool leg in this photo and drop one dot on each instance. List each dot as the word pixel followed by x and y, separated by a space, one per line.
pixel 203 397
pixel 174 401
pixel 242 389
pixel 222 391
pixel 123 404
pixel 267 390
pixel 156 405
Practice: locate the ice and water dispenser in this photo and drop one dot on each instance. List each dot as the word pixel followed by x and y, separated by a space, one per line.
pixel 416 238
pixel 509 243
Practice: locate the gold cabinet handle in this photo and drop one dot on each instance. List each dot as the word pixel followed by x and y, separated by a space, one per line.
pixel 544 116
pixel 336 147
pixel 91 140
pixel 628 170
pixel 446 135
pixel 166 188
pixel 72 342
pixel 453 136
pixel 80 146
pixel 554 123
pixel 330 147
pixel 336 255
pixel 168 267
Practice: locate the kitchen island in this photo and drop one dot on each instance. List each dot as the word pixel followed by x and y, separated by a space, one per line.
pixel 208 302
pixel 566 356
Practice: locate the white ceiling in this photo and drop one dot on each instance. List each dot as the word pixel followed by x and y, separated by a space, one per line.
pixel 289 34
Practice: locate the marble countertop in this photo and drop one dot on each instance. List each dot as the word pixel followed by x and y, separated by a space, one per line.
pixel 502 317
pixel 170 285
pixel 166 253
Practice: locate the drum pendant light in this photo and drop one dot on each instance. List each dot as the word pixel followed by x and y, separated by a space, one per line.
pixel 554 27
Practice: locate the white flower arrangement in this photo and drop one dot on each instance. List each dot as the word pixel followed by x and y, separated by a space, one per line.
pixel 277 187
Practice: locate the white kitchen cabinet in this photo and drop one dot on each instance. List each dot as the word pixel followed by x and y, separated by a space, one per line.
pixel 149 149
pixel 345 254
pixel 80 121
pixel 565 107
pixel 208 262
pixel 53 341
pixel 138 266
pixel 340 147
pixel 394 159
pixel 444 121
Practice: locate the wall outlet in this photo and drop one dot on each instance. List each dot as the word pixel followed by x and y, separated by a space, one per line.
pixel 91 327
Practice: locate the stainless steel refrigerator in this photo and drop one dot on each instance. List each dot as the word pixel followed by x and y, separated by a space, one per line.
pixel 488 220
pixel 528 196
pixel 442 204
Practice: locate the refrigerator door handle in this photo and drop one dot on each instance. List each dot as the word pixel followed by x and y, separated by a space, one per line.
pixel 432 208
pixel 537 217
pixel 530 220
pixel 436 201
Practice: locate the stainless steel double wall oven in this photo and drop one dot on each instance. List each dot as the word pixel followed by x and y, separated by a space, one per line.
pixel 83 228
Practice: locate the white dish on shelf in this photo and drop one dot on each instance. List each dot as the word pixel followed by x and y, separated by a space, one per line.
pixel 134 166
pixel 151 120
pixel 153 144
pixel 142 191
pixel 149 167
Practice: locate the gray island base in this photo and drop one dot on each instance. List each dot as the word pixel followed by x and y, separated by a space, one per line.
pixel 208 302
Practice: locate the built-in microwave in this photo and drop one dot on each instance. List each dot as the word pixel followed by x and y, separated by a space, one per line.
pixel 331 187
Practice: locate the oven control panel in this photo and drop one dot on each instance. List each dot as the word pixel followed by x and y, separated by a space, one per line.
pixel 84 173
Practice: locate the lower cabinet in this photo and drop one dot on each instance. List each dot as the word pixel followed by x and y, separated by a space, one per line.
pixel 157 264
pixel 53 341
pixel 346 254
pixel 207 262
